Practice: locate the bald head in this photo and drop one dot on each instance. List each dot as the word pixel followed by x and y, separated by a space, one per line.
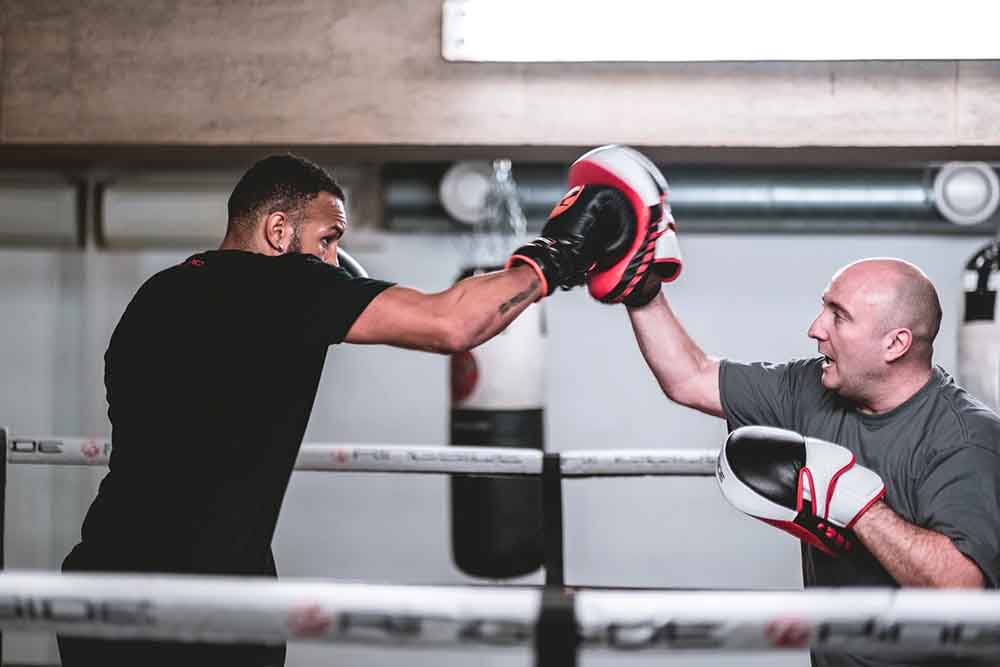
pixel 903 296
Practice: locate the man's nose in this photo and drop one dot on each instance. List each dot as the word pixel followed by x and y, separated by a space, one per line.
pixel 816 330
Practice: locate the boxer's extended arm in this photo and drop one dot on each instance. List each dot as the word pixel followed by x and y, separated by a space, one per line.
pixel 590 224
pixel 685 373
pixel 915 556
pixel 469 313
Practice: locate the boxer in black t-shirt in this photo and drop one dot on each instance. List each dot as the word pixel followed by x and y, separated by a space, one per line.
pixel 212 372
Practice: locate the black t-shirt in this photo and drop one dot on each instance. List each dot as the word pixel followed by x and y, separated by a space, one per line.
pixel 211 376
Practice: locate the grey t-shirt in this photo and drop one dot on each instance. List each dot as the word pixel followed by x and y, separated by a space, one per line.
pixel 938 454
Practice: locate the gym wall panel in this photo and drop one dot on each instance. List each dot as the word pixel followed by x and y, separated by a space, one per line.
pixel 114 72
pixel 164 209
pixel 188 208
pixel 977 98
pixel 40 209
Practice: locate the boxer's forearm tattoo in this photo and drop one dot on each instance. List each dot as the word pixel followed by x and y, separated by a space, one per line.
pixel 518 298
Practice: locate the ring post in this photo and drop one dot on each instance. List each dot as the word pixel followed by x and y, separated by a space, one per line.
pixel 557 641
pixel 552 519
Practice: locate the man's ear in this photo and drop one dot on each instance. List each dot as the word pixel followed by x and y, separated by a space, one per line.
pixel 278 232
pixel 897 343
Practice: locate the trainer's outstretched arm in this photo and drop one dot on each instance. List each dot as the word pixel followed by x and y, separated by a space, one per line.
pixel 686 374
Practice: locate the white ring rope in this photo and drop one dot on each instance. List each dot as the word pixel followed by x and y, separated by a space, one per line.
pixel 267 610
pixel 227 609
pixel 836 619
pixel 597 463
pixel 352 457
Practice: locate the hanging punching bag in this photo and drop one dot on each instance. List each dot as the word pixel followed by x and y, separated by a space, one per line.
pixel 979 335
pixel 496 401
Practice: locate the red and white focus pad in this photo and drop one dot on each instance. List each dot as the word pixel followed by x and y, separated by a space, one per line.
pixel 617 167
pixel 808 487
pixel 667 260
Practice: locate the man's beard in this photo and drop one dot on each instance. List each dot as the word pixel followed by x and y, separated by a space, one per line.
pixel 296 243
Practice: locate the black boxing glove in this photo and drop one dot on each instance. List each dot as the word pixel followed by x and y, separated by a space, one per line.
pixel 587 222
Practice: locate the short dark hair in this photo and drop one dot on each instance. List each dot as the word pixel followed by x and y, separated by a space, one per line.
pixel 277 183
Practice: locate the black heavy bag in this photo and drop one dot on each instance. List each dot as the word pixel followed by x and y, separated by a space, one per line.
pixel 979 334
pixel 496 401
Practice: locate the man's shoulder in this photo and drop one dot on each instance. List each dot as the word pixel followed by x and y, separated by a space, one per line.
pixel 233 266
pixel 797 375
pixel 161 282
pixel 787 393
pixel 186 285
pixel 303 266
pixel 975 423
pixel 809 367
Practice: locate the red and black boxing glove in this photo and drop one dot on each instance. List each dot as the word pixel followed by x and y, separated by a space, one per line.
pixel 587 221
pixel 607 229
pixel 613 230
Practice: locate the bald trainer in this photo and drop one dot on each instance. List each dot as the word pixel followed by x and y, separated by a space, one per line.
pixel 874 390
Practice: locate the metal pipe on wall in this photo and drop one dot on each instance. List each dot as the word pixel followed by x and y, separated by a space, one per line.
pixel 731 200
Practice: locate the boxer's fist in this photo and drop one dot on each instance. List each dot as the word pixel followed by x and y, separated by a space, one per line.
pixel 587 221
pixel 596 223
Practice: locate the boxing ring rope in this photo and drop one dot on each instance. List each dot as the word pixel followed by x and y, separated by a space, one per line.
pixel 553 467
pixel 556 621
pixel 468 460
pixel 228 609
pixel 427 459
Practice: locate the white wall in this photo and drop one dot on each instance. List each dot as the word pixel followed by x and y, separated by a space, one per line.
pixel 747 297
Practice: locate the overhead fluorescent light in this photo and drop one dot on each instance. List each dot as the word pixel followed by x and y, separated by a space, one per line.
pixel 717 30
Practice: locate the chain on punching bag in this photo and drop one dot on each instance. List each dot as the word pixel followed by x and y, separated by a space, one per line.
pixel 497 401
pixel 979 335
